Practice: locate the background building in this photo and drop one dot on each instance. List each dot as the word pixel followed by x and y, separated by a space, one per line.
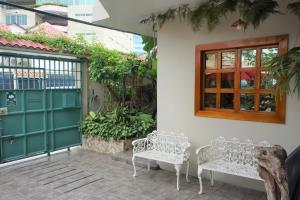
pixel 20 20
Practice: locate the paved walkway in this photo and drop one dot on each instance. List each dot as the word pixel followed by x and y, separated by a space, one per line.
pixel 87 176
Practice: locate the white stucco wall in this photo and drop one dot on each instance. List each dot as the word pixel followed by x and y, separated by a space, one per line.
pixel 176 72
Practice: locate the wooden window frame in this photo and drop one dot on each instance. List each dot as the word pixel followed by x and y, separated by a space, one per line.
pixel 280 41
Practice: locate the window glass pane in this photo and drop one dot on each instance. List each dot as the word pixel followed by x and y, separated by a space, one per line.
pixel 266 103
pixel 8 20
pixel 248 58
pixel 265 81
pixel 210 100
pixel 248 80
pixel 227 80
pixel 228 60
pixel 210 80
pixel 267 55
pixel 227 100
pixel 247 102
pixel 210 61
pixel 13 19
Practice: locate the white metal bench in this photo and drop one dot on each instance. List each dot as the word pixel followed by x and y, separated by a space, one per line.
pixel 168 148
pixel 230 157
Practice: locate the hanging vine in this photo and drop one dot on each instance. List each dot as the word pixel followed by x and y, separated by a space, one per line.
pixel 183 12
pixel 251 12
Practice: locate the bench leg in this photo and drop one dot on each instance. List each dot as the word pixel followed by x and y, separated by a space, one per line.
pixel 211 178
pixel 200 170
pixel 187 171
pixel 133 164
pixel 148 165
pixel 178 168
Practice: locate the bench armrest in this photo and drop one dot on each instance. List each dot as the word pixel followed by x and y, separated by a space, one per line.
pixel 186 152
pixel 203 154
pixel 139 145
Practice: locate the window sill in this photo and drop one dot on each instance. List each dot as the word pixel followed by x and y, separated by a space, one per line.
pixel 243 116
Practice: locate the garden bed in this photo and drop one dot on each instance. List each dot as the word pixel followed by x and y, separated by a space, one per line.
pixel 96 144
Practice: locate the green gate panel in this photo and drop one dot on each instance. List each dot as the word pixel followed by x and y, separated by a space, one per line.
pixel 34 100
pixel 12 125
pixel 66 118
pixel 36 143
pixel 66 138
pixel 13 150
pixel 34 122
pixel 43 98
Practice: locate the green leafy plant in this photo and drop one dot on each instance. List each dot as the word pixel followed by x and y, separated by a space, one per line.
pixel 211 11
pixel 294 8
pixel 251 12
pixel 118 124
pixel 285 69
pixel 115 70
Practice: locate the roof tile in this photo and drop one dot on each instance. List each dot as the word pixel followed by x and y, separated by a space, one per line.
pixel 20 43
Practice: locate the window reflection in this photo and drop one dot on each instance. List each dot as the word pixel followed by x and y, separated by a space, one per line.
pixel 265 81
pixel 227 100
pixel 227 80
pixel 247 102
pixel 248 58
pixel 248 80
pixel 267 55
pixel 267 103
pixel 210 61
pixel 210 100
pixel 228 60
pixel 210 80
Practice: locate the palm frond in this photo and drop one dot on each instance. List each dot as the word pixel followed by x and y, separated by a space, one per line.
pixel 211 12
pixel 294 8
pixel 183 12
pixel 255 12
pixel 285 69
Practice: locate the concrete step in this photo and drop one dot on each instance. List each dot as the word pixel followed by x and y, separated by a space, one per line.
pixel 126 157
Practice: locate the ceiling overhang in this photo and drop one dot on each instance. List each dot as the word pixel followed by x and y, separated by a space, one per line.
pixel 125 15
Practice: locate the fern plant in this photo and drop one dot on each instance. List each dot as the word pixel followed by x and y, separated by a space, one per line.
pixel 294 8
pixel 251 12
pixel 285 69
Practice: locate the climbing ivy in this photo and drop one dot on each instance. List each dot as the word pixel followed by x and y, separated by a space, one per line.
pixel 109 67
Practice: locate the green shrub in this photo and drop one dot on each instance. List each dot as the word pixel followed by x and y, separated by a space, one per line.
pixel 121 123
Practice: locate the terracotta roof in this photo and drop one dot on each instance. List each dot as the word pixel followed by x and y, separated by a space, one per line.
pixel 20 43
pixel 50 30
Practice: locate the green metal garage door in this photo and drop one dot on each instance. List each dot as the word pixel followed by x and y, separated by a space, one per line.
pixel 40 105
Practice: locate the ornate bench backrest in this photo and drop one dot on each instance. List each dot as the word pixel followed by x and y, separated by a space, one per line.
pixel 235 151
pixel 167 143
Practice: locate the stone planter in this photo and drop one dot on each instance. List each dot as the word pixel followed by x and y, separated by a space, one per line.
pixel 101 146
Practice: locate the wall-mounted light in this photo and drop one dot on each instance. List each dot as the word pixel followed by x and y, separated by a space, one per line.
pixel 239 24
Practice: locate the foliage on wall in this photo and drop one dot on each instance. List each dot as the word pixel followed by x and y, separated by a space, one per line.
pixel 210 12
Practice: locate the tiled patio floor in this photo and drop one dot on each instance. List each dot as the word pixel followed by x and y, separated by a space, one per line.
pixel 87 175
